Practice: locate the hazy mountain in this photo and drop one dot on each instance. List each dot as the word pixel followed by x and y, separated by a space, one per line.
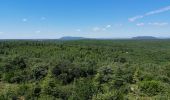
pixel 144 37
pixel 80 38
pixel 71 38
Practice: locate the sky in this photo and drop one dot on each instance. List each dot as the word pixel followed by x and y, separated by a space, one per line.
pixel 52 19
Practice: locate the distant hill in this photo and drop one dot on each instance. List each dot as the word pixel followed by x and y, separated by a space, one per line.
pixel 71 38
pixel 144 37
pixel 81 38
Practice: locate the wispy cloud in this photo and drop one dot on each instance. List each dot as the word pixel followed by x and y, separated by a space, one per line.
pixel 43 18
pixel 78 30
pixel 149 13
pixel 140 24
pixel 108 26
pixel 118 25
pixel 1 32
pixel 38 31
pixel 24 20
pixel 95 29
pixel 158 24
pixel 158 11
pixel 135 18
pixel 153 24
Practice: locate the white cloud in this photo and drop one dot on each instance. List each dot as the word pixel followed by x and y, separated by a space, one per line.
pixel 158 11
pixel 140 24
pixel 118 25
pixel 150 13
pixel 153 24
pixel 24 19
pixel 108 26
pixel 1 32
pixel 158 24
pixel 104 29
pixel 38 31
pixel 43 18
pixel 78 30
pixel 95 29
pixel 135 18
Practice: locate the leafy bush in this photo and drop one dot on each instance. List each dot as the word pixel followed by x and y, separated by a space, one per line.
pixel 67 72
pixel 55 90
pixel 84 89
pixel 105 74
pixel 113 95
pixel 151 88
pixel 39 72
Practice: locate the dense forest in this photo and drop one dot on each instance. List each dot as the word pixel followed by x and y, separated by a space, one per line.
pixel 85 70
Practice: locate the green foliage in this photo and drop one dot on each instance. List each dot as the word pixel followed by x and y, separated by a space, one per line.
pixel 114 95
pixel 39 72
pixel 84 70
pixel 67 72
pixel 105 74
pixel 83 89
pixel 151 88
pixel 56 90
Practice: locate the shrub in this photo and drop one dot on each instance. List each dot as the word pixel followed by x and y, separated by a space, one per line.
pixel 39 72
pixel 55 90
pixel 104 74
pixel 113 95
pixel 151 88
pixel 84 89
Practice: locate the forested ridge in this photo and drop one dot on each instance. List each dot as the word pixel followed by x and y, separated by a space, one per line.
pixel 85 70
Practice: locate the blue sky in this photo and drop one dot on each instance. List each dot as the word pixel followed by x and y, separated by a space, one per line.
pixel 50 19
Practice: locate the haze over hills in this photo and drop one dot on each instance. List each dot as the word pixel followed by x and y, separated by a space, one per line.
pixel 71 38
pixel 66 38
pixel 144 37
pixel 136 38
